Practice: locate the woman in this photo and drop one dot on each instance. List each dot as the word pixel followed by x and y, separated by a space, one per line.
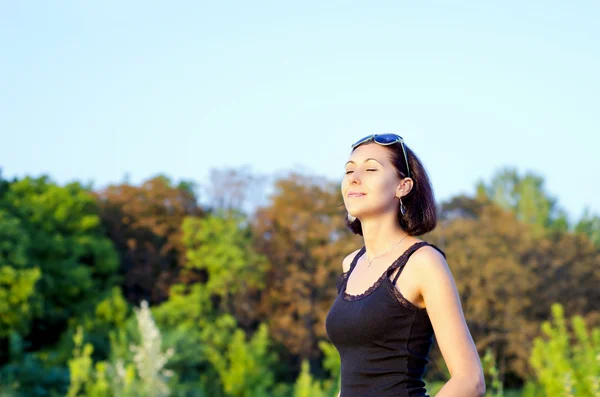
pixel 397 291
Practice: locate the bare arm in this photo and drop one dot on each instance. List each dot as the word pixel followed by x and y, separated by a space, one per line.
pixel 443 305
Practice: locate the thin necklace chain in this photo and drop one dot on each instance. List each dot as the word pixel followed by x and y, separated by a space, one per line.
pixel 369 263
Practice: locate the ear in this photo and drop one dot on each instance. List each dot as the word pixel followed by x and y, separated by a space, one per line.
pixel 404 187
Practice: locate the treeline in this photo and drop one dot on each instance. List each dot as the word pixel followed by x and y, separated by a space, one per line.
pixel 238 298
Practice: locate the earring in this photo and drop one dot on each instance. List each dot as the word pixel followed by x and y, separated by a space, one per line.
pixel 402 208
pixel 351 218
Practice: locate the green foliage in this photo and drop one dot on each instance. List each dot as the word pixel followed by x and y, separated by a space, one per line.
pixel 210 350
pixel 107 318
pixel 229 308
pixel 243 366
pixel 110 315
pixel 589 224
pixel 29 374
pixel 60 234
pixel 80 366
pixel 18 277
pixel 566 366
pixel 434 387
pixel 223 248
pixel 112 311
pixel 186 308
pixel 331 362
pixel 184 317
pixel 490 369
pixel 306 386
pixel 93 381
pixel 144 374
pixel 527 198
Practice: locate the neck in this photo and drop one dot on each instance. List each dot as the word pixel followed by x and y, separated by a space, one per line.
pixel 380 233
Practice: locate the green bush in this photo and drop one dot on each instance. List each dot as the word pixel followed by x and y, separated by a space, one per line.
pixel 143 373
pixel 567 366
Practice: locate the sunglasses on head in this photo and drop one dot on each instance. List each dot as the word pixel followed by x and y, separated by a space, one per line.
pixel 385 140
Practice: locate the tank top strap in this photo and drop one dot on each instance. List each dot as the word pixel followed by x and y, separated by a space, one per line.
pixel 403 259
pixel 355 260
pixel 343 278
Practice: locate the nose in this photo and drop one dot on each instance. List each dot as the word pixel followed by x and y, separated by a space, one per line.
pixel 354 178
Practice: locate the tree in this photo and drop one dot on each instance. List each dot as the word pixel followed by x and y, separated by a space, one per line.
pixel 589 225
pixel 201 317
pixel 231 190
pixel 485 252
pixel 526 197
pixel 59 233
pixel 144 222
pixel 220 247
pixel 18 278
pixel 508 276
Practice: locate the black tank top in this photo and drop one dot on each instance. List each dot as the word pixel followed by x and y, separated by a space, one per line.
pixel 383 339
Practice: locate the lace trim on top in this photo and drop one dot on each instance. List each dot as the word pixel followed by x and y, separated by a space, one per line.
pixel 369 291
pixel 402 300
pixel 344 280
pixel 397 294
pixel 341 280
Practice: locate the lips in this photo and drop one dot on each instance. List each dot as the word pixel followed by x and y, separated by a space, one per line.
pixel 355 194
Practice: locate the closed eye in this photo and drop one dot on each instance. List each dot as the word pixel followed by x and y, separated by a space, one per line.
pixel 369 169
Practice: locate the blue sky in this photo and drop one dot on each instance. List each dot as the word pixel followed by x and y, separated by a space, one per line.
pixel 92 91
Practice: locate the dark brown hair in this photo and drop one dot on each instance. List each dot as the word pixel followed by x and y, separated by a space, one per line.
pixel 421 211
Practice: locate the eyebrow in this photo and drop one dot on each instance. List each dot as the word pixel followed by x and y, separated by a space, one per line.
pixel 370 158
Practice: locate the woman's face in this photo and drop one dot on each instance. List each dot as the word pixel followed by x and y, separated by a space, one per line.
pixel 371 182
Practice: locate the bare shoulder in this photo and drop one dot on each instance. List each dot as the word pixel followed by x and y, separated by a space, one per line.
pixel 428 254
pixel 348 260
pixel 429 258
pixel 430 265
